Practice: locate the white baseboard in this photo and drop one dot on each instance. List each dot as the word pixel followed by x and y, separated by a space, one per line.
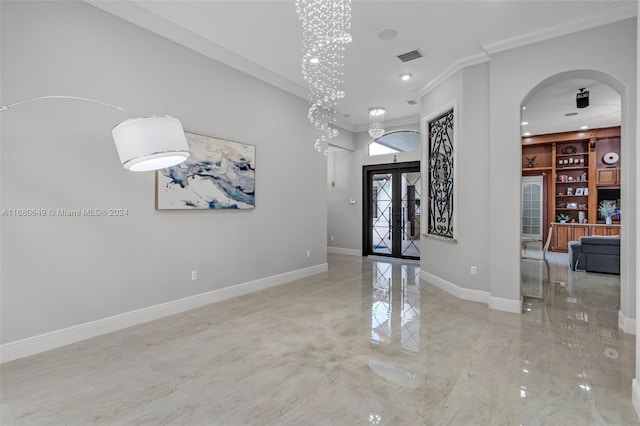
pixel 507 305
pixel 340 250
pixel 58 338
pixel 497 303
pixel 457 291
pixel 628 325
pixel 635 395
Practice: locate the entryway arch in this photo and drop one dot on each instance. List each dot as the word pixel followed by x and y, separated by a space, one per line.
pixel 627 312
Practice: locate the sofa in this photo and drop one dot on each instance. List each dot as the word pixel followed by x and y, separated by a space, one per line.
pixel 595 254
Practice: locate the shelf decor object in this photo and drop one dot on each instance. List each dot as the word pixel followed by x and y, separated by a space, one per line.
pixel 610 158
pixel 219 175
pixel 143 143
pixel 531 162
pixel 607 210
pixel 325 32
pixel 440 160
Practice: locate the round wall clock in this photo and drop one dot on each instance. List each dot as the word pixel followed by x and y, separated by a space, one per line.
pixel 610 158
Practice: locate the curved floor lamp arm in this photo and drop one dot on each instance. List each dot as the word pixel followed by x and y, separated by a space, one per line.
pixel 6 107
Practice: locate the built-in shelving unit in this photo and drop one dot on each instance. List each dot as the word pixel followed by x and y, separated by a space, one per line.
pixel 576 176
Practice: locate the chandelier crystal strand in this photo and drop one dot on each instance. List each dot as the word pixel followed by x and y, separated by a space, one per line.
pixel 376 122
pixel 325 30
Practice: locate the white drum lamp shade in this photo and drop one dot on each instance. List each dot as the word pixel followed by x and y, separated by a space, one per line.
pixel 150 143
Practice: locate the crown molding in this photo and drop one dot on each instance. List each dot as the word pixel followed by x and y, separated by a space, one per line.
pixel 596 19
pixel 396 122
pixel 456 66
pixel 344 125
pixel 138 15
pixel 613 14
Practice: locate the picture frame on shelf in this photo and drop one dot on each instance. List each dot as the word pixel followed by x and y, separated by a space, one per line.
pixel 579 191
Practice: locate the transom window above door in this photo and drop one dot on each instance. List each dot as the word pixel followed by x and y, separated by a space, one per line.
pixel 398 141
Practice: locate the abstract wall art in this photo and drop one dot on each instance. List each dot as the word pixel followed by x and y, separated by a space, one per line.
pixel 440 175
pixel 219 174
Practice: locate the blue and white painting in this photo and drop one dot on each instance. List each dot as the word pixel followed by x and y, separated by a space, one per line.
pixel 219 174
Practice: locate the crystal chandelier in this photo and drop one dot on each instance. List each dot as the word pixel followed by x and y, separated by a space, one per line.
pixel 325 31
pixel 376 122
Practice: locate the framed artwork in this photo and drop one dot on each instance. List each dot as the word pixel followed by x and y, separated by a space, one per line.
pixel 579 191
pixel 440 161
pixel 219 174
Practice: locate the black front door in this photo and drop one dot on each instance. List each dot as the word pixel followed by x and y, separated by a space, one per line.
pixel 392 210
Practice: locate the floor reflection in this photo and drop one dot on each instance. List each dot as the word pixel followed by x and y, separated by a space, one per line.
pixel 563 352
pixel 396 286
pixel 365 343
pixel 395 321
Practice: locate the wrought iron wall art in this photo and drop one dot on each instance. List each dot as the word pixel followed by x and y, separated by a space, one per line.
pixel 440 176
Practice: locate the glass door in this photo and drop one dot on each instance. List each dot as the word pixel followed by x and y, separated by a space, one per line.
pixel 382 210
pixel 532 208
pixel 392 210
pixel 532 217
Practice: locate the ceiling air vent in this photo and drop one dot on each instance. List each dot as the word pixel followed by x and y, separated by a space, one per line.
pixel 410 56
pixel 412 102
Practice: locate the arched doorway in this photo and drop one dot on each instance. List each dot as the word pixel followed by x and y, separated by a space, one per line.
pixel 562 199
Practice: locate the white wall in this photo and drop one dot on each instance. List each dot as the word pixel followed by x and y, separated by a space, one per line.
pixel 451 261
pixel 606 50
pixel 345 140
pixel 345 182
pixel 489 98
pixel 635 387
pixel 60 272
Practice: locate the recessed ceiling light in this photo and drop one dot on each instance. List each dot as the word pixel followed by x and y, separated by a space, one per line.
pixel 314 60
pixel 584 127
pixel 570 114
pixel 387 34
pixel 523 108
pixel 406 76
pixel 527 134
pixel 524 123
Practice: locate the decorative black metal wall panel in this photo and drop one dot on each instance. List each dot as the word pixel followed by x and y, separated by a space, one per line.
pixel 440 174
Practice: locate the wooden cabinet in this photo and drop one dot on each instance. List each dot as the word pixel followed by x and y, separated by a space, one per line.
pixel 572 189
pixel 578 175
pixel 608 177
pixel 604 230
pixel 564 232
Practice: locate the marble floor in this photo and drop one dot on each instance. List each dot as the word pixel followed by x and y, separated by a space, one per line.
pixel 366 343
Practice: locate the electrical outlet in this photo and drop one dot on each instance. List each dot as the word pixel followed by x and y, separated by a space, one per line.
pixel 308 253
pixel 474 270
pixel 194 275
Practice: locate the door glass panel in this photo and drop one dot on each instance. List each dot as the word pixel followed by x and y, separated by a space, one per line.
pixel 392 226
pixel 531 211
pixel 381 303
pixel 532 216
pixel 410 213
pixel 382 208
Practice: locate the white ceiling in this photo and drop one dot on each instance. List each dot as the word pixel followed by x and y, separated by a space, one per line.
pixel 264 38
pixel 546 110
